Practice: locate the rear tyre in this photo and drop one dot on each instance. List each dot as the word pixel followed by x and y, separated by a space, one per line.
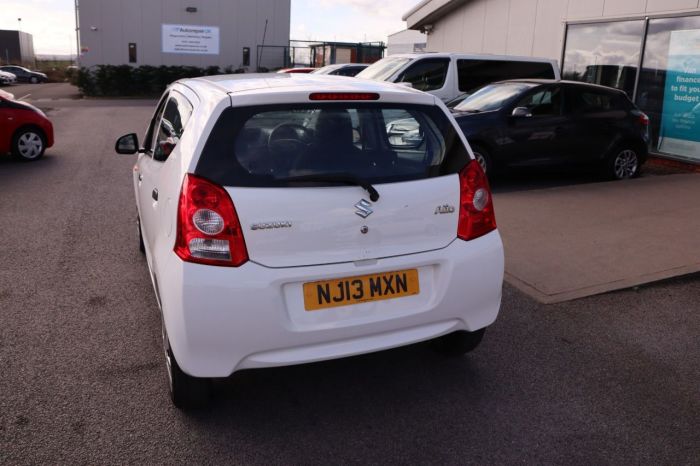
pixel 458 343
pixel 28 144
pixel 623 164
pixel 186 392
pixel 142 247
pixel 484 159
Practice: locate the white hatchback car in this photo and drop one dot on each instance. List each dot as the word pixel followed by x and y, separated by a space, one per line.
pixel 287 219
pixel 7 78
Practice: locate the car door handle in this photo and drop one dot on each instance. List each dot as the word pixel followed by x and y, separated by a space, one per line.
pixel 140 177
pixel 154 194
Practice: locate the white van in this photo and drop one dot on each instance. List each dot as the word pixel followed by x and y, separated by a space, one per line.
pixel 447 75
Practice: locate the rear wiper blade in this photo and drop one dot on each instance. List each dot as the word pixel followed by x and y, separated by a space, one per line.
pixel 342 178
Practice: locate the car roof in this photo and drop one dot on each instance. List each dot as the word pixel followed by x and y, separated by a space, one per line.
pixel 562 81
pixel 220 86
pixel 342 65
pixel 474 56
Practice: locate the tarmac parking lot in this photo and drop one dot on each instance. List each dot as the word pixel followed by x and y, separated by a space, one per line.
pixel 607 379
pixel 42 92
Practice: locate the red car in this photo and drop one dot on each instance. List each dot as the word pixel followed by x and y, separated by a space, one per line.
pixel 297 70
pixel 24 129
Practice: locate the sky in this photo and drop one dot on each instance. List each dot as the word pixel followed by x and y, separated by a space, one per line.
pixel 52 22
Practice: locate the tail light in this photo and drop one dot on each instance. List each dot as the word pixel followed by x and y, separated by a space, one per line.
pixel 208 230
pixel 343 96
pixel 476 215
pixel 643 119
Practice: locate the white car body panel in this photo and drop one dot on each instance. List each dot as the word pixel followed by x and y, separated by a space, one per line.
pixel 7 77
pixel 223 319
pixel 403 222
pixel 220 320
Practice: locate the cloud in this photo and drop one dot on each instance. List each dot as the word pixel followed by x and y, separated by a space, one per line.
pixel 350 20
pixel 51 23
pixel 391 10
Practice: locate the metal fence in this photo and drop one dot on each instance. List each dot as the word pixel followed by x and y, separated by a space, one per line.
pixel 316 54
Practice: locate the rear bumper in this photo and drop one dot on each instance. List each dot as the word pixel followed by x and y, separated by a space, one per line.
pixel 220 320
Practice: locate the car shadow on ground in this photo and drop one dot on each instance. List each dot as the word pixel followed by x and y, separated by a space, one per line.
pixel 527 179
pixel 542 178
pixel 380 394
pixel 9 163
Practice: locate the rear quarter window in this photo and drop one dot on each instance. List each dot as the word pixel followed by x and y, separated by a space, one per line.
pixel 473 74
pixel 265 146
pixel 598 102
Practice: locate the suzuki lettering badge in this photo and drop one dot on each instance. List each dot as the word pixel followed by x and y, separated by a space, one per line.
pixel 364 208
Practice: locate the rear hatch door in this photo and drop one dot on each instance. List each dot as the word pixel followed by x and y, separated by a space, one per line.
pixel 295 174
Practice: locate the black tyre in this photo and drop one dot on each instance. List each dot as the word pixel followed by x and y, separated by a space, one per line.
pixel 484 158
pixel 458 343
pixel 34 80
pixel 28 144
pixel 142 247
pixel 623 164
pixel 186 392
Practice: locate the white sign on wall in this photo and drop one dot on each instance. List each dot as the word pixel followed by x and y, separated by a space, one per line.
pixel 186 38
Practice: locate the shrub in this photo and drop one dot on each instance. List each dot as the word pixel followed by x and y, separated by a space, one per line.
pixel 125 80
pixel 83 79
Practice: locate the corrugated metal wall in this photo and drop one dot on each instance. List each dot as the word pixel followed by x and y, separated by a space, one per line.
pixel 108 26
pixel 531 27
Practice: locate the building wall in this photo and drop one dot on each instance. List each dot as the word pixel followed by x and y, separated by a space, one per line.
pixel 108 26
pixel 17 48
pixel 528 27
pixel 407 41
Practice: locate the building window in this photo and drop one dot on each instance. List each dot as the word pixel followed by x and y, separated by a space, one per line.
pixel 246 56
pixel 669 86
pixel 132 52
pixel 604 53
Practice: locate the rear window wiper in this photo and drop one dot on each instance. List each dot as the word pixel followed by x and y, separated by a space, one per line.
pixel 342 178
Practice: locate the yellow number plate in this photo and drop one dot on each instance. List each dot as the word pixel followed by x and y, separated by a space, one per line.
pixel 353 290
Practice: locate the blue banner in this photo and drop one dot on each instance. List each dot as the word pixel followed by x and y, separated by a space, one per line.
pixel 680 121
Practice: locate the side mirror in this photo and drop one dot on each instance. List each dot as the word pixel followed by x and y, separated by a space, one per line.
pixel 127 144
pixel 521 112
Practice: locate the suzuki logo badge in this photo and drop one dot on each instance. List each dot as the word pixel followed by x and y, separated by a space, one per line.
pixel 364 208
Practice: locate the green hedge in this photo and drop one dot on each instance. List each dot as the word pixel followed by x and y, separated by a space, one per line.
pixel 125 80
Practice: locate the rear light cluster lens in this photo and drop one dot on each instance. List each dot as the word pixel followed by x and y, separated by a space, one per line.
pixel 208 230
pixel 644 119
pixel 208 222
pixel 344 96
pixel 476 215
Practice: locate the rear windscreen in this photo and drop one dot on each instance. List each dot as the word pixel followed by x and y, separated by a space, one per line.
pixel 266 146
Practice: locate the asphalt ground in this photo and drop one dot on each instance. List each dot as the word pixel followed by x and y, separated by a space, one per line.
pixel 42 92
pixel 611 379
